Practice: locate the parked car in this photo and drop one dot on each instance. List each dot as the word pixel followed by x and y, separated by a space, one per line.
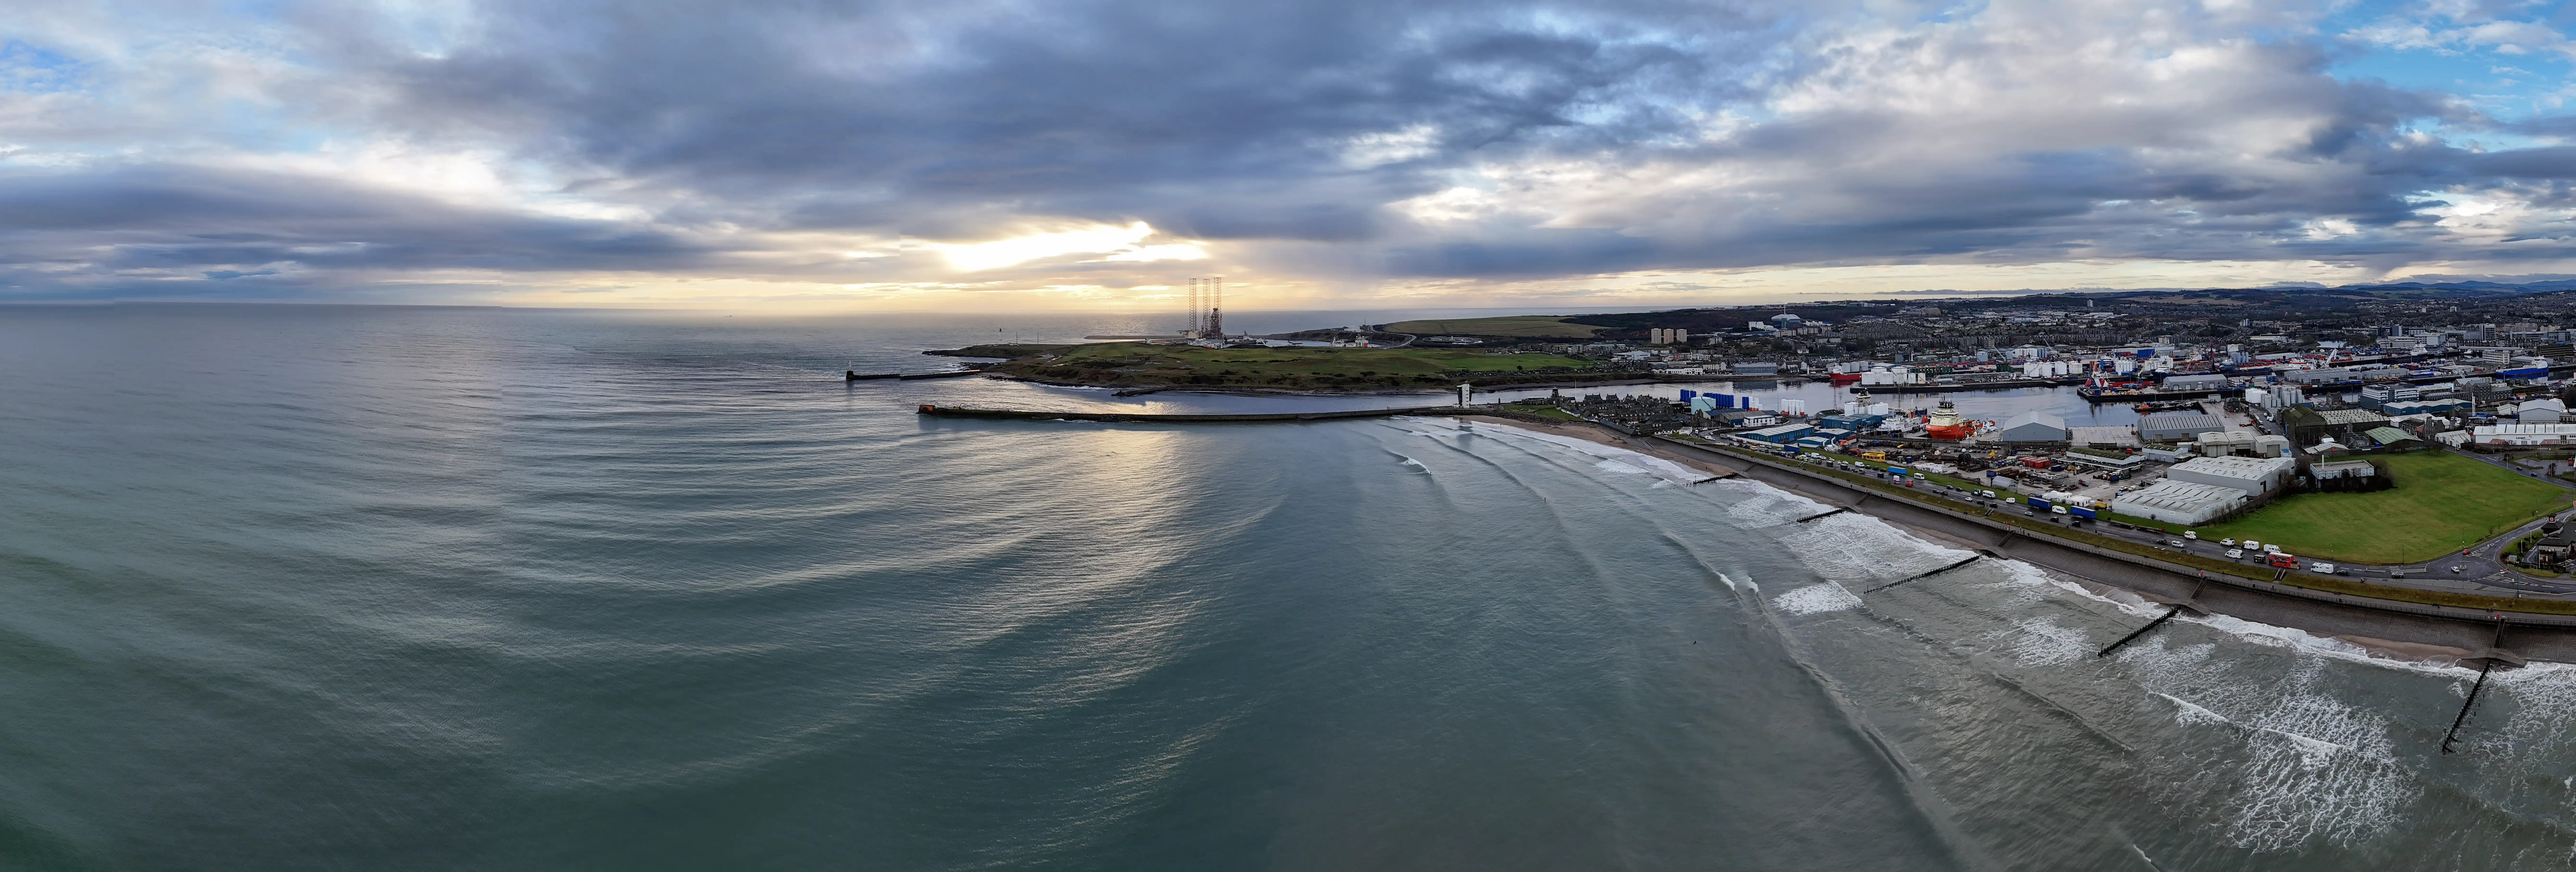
pixel 2191 534
pixel 2175 543
pixel 2251 545
pixel 1989 494
pixel 2236 554
pixel 2321 568
pixel 2229 542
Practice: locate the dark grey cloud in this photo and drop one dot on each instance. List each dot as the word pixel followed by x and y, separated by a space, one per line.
pixel 131 229
pixel 1427 138
pixel 1230 120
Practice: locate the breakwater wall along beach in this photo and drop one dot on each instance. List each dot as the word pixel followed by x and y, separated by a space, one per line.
pixel 2499 636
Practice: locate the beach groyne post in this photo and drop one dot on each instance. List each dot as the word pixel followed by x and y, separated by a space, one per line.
pixel 2448 739
pixel 1923 575
pixel 2141 631
pixel 2495 647
pixel 1825 514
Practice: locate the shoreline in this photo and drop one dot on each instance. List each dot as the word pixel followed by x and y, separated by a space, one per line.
pixel 1259 391
pixel 2382 631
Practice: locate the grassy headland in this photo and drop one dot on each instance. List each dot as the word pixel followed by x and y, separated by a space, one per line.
pixel 1514 326
pixel 1134 364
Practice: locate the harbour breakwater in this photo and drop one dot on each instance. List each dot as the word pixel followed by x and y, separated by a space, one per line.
pixel 938 411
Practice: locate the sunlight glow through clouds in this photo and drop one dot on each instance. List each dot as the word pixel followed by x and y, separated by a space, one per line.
pixel 1118 243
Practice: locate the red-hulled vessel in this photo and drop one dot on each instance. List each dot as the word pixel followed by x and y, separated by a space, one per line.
pixel 1946 423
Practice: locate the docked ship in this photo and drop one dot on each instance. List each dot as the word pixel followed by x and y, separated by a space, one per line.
pixel 1946 423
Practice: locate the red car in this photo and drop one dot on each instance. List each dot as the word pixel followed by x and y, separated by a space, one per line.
pixel 2465 551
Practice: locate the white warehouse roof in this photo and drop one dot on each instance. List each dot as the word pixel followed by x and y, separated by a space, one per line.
pixel 2252 475
pixel 2527 430
pixel 2235 467
pixel 2179 502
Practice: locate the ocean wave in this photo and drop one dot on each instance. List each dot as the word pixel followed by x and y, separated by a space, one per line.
pixel 1623 457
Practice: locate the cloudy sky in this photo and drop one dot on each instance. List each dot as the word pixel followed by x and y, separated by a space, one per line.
pixel 1092 153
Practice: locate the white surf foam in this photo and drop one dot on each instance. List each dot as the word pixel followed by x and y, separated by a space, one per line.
pixel 2312 767
pixel 2044 642
pixel 1857 548
pixel 1816 599
pixel 1641 462
pixel 2187 714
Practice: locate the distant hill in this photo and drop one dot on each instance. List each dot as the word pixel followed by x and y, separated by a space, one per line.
pixel 2275 301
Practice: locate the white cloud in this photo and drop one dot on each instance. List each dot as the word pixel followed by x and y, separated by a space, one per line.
pixel 1380 149
pixel 1116 242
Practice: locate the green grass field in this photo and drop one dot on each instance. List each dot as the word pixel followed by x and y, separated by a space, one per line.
pixel 2442 503
pixel 2211 564
pixel 1543 410
pixel 1518 326
pixel 1131 363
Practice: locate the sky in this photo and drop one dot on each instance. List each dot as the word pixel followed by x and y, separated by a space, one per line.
pixel 1075 154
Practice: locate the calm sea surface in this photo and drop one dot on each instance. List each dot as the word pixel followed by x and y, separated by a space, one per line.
pixel 377 588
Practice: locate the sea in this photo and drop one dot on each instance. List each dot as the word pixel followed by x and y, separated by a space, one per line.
pixel 314 587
